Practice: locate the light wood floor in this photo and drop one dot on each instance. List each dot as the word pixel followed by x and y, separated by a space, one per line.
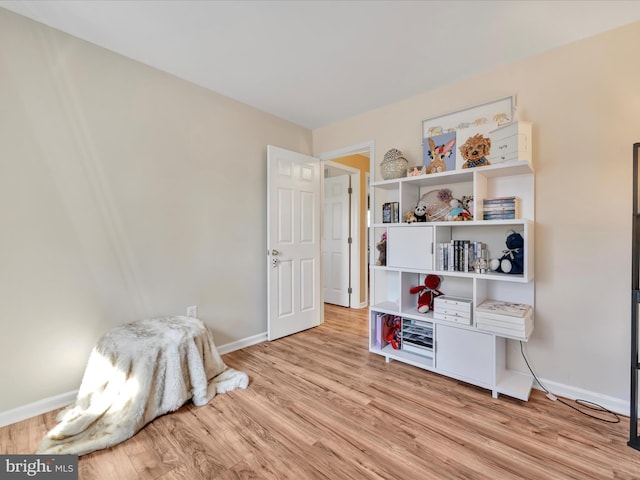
pixel 319 405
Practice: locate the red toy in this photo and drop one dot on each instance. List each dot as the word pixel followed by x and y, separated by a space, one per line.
pixel 393 332
pixel 427 292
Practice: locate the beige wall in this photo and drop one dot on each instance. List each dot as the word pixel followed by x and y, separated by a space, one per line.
pixel 362 163
pixel 584 103
pixel 124 193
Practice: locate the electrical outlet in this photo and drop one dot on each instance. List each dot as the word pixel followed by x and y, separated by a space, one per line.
pixel 192 311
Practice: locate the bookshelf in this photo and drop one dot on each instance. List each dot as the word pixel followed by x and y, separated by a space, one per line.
pixel 461 351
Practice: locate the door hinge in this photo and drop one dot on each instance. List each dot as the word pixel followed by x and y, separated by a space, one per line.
pixel 349 240
pixel 350 190
pixel 349 290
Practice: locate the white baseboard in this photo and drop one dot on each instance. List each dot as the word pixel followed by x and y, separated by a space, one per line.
pixel 243 343
pixel 614 404
pixel 36 408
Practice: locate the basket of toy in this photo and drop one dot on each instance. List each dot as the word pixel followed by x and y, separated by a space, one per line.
pixel 437 202
pixel 394 165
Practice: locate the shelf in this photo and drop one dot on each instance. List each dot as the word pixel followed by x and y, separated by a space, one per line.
pixel 502 170
pixel 502 277
pixel 391 308
pixel 434 179
pixel 411 358
pixel 471 223
pixel 460 350
pixel 458 176
pixel 515 384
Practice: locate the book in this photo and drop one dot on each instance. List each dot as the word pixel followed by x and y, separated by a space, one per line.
pixel 498 200
pixel 514 320
pixel 390 212
pixel 386 213
pixel 498 307
pixel 442 256
pixel 487 206
pixel 500 216
pixel 500 208
pixel 505 331
pixel 465 256
pixel 395 212
pixel 516 327
pixel 377 331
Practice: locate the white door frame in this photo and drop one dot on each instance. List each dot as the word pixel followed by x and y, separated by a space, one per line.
pixel 339 153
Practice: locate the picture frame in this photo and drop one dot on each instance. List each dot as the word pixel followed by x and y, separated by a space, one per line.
pixel 461 125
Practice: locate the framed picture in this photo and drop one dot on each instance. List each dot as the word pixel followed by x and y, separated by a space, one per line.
pixel 475 146
pixel 437 133
pixel 439 153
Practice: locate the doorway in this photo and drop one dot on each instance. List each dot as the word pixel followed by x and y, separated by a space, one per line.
pixel 340 210
pixel 354 163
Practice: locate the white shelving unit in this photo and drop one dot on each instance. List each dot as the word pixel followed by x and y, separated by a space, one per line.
pixel 459 351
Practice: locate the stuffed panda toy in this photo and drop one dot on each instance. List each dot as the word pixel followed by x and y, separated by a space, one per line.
pixel 420 212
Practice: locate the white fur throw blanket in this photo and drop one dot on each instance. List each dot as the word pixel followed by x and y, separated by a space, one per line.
pixel 135 373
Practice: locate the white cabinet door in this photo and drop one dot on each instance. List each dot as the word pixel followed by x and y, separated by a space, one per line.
pixel 410 246
pixel 465 354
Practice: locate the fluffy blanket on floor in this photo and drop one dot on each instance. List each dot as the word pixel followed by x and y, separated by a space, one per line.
pixel 135 373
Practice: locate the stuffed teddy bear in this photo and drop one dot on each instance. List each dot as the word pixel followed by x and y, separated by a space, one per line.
pixel 381 246
pixel 512 260
pixel 410 217
pixel 427 292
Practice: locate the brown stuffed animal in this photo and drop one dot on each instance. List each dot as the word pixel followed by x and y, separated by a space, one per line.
pixel 475 151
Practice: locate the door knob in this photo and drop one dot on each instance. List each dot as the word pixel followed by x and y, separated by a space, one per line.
pixel 275 252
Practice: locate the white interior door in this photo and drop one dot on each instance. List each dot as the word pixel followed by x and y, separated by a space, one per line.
pixel 335 240
pixel 293 242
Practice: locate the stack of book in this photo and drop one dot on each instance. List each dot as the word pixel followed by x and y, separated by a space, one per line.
pixel 501 208
pixel 506 319
pixel 459 255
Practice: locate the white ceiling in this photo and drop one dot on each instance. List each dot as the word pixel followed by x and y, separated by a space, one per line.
pixel 317 62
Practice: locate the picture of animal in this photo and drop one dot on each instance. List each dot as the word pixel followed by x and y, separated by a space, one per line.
pixel 438 154
pixel 475 150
